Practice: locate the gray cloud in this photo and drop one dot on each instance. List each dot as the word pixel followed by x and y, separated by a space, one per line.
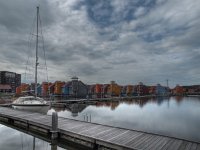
pixel 127 41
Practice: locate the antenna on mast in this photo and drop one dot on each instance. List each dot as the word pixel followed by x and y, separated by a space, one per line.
pixel 167 83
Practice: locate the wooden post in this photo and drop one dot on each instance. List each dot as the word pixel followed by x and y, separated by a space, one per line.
pixel 54 131
pixel 53 145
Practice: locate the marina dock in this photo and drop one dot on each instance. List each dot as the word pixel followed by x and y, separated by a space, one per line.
pixel 92 135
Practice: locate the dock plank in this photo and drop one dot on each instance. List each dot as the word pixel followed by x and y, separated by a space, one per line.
pixel 194 146
pixel 198 147
pixel 154 143
pixel 126 137
pixel 183 145
pixel 106 136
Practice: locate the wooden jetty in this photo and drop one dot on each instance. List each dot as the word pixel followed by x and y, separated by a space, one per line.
pixel 92 135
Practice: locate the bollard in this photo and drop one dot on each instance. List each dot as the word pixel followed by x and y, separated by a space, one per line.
pixel 54 131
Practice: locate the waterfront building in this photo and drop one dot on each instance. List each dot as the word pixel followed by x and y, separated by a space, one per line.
pixel 79 89
pixel 192 89
pixel 152 90
pixel 142 89
pixel 51 89
pixel 67 89
pixel 129 90
pixel 98 90
pixel 45 89
pixel 5 88
pixel 135 90
pixel 91 90
pixel 58 87
pixel 39 90
pixel 161 90
pixel 105 90
pixel 23 88
pixel 178 90
pixel 114 89
pixel 10 78
pixel 75 89
pixel 123 91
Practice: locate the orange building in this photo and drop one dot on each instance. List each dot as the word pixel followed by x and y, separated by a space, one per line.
pixel 45 88
pixel 152 90
pixel 58 87
pixel 129 90
pixel 178 90
pixel 22 88
pixel 98 90
pixel 114 89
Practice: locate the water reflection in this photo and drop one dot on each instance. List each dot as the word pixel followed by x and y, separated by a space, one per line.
pixel 175 116
pixel 75 108
pixel 15 140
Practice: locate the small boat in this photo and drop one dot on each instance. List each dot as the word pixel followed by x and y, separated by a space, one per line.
pixel 32 103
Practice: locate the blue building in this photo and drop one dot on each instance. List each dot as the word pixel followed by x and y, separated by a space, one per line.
pixel 67 89
pixel 75 89
pixel 39 90
pixel 161 90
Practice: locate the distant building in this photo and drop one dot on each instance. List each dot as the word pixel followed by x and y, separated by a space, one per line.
pixel 5 88
pixel 129 90
pixel 75 89
pixel 114 89
pixel 152 90
pixel 161 90
pixel 10 78
pixel 142 89
pixel 58 87
pixel 45 91
pixel 23 88
pixel 178 90
pixel 192 89
pixel 123 91
pixel 79 89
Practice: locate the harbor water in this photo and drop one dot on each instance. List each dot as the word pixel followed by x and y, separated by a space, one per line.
pixel 174 116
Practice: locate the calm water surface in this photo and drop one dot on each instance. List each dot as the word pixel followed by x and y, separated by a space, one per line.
pixel 175 116
pixel 12 139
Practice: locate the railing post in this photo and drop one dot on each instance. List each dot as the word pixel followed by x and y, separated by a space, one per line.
pixel 54 131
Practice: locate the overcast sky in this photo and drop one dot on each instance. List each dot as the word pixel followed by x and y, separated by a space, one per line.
pixel 102 40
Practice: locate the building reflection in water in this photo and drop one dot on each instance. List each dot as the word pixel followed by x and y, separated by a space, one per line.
pixel 75 109
pixel 141 102
pixel 144 114
pixel 178 99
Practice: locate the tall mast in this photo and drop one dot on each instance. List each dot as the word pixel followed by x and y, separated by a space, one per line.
pixel 36 54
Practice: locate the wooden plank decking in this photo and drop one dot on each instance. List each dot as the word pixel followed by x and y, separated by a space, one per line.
pixel 94 135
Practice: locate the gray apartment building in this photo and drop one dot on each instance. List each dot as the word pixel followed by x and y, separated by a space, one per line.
pixel 10 78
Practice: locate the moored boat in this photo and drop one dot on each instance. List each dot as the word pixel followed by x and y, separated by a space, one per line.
pixel 32 103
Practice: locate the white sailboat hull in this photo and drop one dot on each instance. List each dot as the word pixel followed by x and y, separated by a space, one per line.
pixel 32 107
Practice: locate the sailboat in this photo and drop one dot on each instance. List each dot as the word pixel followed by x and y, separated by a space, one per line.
pixel 32 103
